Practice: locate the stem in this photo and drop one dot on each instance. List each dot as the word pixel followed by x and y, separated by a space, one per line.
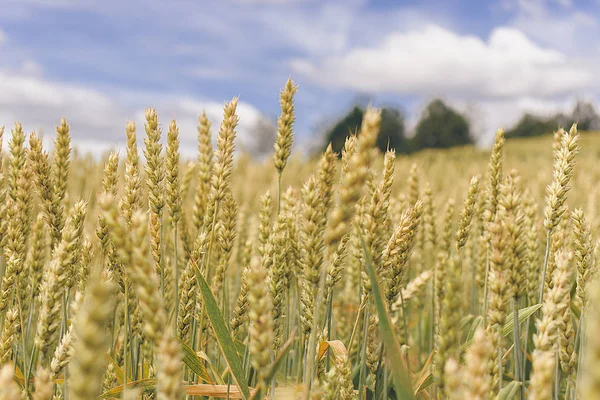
pixel 176 279
pixel 329 314
pixel 63 332
pixel 24 342
pixel 194 334
pixel 205 261
pixel 33 359
pixel 65 317
pixel 544 270
pixel 485 285
pixel 500 372
pixel 525 345
pixel 160 263
pixel 246 358
pixel 355 328
pixel 556 376
pixel 363 355
pixel 113 336
pixel 134 353
pixel 433 313
pixel 419 336
pixel 278 192
pixel 225 294
pixel 228 385
pixel 385 381
pixel 299 349
pixel 404 318
pixel 288 329
pixel 301 358
pixel 517 346
pixel 31 310
pixel 328 318
pixel 125 341
pixel 580 335
pixel 473 276
pixel 312 342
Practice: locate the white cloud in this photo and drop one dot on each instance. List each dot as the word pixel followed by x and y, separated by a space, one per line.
pixel 435 60
pixel 31 68
pixel 494 81
pixel 413 51
pixel 489 115
pixel 98 118
pixel 187 110
pixel 566 28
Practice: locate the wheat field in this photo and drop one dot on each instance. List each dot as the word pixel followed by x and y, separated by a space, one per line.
pixel 457 274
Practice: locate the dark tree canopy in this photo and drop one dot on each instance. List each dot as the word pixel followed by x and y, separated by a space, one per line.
pixel 348 125
pixel 441 127
pixel 531 125
pixel 584 114
pixel 391 130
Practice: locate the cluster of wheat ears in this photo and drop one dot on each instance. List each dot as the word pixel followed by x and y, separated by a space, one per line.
pixel 223 278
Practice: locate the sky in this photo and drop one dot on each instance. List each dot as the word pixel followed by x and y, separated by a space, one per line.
pixel 100 63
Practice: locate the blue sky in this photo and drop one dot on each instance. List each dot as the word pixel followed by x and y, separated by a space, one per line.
pixel 101 63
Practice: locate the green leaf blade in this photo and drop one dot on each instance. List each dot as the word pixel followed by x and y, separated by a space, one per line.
pixel 192 361
pixel 223 336
pixel 392 345
pixel 509 327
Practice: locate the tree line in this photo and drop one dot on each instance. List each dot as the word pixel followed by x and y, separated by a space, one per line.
pixel 441 126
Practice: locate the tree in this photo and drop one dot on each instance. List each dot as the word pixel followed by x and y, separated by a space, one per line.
pixel 441 126
pixel 583 113
pixel 531 125
pixel 348 125
pixel 586 117
pixel 391 132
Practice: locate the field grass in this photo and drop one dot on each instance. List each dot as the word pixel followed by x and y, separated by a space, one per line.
pixel 448 274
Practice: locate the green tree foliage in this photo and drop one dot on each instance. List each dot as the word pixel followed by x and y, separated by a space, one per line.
pixel 441 127
pixel 391 134
pixel 531 125
pixel 349 124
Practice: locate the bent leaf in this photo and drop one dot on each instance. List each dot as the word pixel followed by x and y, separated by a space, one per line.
pixel 337 348
pixel 281 356
pixel 222 335
pixel 145 385
pixel 390 340
pixel 425 378
pixel 510 391
pixel 477 322
pixel 427 381
pixel 118 369
pixel 217 391
pixel 192 361
pixel 508 328
pixel 524 313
